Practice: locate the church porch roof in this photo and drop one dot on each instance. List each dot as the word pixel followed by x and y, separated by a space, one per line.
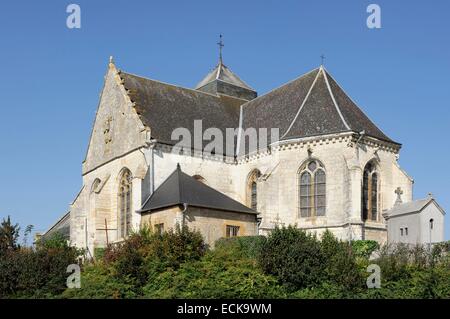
pixel 180 188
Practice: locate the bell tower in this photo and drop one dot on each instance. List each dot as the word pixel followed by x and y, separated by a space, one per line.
pixel 221 80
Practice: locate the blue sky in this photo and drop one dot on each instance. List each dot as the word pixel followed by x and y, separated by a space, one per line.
pixel 51 76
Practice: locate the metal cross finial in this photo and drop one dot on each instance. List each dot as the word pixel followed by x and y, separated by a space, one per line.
pixel 221 45
pixel 322 57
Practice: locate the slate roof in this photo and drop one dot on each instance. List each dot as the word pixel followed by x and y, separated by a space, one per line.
pixel 62 226
pixel 311 105
pixel 410 207
pixel 222 73
pixel 164 107
pixel 180 188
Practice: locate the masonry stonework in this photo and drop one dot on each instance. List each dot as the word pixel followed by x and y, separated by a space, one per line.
pixel 120 140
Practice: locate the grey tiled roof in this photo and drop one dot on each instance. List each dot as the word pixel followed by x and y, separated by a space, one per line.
pixel 164 107
pixel 180 188
pixel 62 226
pixel 311 105
pixel 223 73
pixel 410 207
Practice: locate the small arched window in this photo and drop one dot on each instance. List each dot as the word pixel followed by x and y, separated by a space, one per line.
pixel 431 223
pixel 370 193
pixel 124 199
pixel 312 190
pixel 252 189
pixel 95 186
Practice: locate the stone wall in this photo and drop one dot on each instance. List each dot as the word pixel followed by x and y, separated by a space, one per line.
pixel 210 223
pixel 118 141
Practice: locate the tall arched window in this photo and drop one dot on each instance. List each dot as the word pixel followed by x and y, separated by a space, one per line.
pixel 370 193
pixel 254 199
pixel 252 189
pixel 312 189
pixel 125 203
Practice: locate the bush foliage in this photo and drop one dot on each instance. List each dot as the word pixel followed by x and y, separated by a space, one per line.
pixel 288 263
pixel 39 272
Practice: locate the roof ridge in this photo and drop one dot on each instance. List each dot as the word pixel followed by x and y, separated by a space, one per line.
pixel 219 72
pixel 180 189
pixel 248 87
pixel 238 140
pixel 197 194
pixel 219 69
pixel 303 103
pixel 281 86
pixel 334 100
pixel 166 83
pixel 151 195
pixel 351 99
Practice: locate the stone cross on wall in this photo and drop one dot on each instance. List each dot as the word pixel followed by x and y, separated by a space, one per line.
pixel 107 130
pixel 399 193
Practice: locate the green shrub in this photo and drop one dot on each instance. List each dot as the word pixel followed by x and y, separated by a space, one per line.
pixel 39 272
pixel 246 246
pixel 221 273
pixel 364 248
pixel 412 272
pixel 99 253
pixel 99 282
pixel 340 263
pixel 294 257
pixel 144 255
pixel 325 290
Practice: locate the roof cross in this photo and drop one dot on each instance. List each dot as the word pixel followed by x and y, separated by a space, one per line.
pixel 221 45
pixel 322 57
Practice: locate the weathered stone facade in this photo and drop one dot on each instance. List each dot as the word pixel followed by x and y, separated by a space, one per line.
pixel 121 141
pixel 211 223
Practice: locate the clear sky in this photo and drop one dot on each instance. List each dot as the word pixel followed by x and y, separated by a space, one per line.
pixel 51 76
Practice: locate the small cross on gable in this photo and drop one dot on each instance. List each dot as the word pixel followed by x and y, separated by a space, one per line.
pixel 399 193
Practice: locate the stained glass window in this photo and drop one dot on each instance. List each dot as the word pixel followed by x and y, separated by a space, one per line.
pixel 370 193
pixel 312 190
pixel 125 204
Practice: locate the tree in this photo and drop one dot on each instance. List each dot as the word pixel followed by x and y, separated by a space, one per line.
pixel 9 235
pixel 27 233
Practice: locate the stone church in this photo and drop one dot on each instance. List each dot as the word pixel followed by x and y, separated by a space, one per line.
pixel 330 167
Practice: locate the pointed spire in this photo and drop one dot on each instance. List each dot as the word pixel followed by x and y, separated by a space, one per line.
pixel 322 57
